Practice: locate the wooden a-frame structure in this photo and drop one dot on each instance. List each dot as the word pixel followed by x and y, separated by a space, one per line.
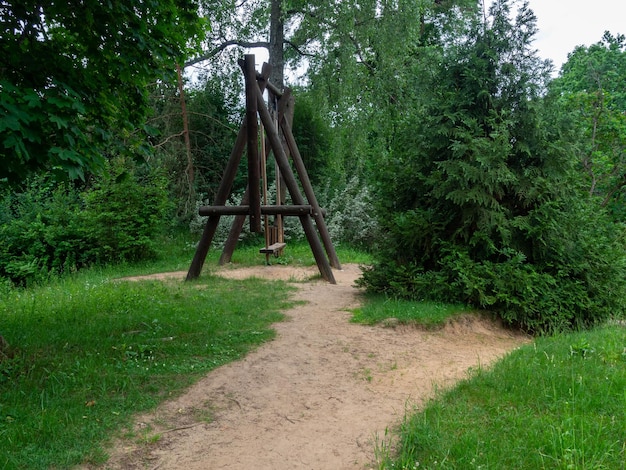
pixel 304 206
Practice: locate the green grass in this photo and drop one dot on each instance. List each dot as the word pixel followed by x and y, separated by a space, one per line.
pixel 177 252
pixel 88 351
pixel 379 308
pixel 296 253
pixel 559 403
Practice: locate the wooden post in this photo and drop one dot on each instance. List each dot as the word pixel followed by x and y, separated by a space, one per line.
pixel 243 209
pixel 310 194
pixel 254 176
pixel 281 191
pixel 292 186
pixel 235 231
pixel 239 221
pixel 220 199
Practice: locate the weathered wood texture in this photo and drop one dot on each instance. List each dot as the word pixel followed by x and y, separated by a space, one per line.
pixel 220 199
pixel 307 209
pixel 273 249
pixel 254 171
pixel 296 210
pixel 294 191
pixel 306 184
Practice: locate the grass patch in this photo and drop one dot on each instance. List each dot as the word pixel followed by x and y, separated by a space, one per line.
pixel 176 252
pixel 86 353
pixel 559 403
pixel 380 309
pixel 296 253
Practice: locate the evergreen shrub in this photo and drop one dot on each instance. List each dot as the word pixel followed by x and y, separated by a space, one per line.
pixel 479 198
pixel 51 228
pixel 125 211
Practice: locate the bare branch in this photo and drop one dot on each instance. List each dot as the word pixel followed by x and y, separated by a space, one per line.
pixel 298 50
pixel 233 42
pixel 160 144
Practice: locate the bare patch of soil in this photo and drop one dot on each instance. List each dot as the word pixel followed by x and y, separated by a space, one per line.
pixel 318 396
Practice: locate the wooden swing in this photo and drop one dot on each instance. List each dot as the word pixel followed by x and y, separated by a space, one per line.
pixel 254 204
pixel 275 233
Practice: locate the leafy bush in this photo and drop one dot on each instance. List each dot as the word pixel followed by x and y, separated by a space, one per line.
pixel 124 212
pixel 39 231
pixel 312 133
pixel 55 228
pixel 350 215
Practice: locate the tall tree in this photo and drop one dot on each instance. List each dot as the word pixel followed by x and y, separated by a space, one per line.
pixel 73 76
pixel 212 131
pixel 591 89
pixel 354 55
pixel 475 191
pixel 360 56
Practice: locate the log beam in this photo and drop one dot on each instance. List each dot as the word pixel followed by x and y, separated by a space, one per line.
pixel 296 210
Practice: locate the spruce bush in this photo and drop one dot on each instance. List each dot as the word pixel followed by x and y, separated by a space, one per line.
pixel 479 199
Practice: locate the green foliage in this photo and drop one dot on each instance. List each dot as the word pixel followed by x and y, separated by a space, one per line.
pixel 558 403
pixel 51 228
pixel 74 77
pixel 590 89
pixel 124 212
pixel 572 275
pixel 351 218
pixel 212 132
pixel 312 134
pixel 478 196
pixel 88 352
pixel 40 231
pixel 38 132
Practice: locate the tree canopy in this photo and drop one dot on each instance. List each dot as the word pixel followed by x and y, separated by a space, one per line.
pixel 591 88
pixel 478 192
pixel 73 76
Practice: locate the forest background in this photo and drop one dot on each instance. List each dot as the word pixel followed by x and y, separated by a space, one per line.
pixel 434 135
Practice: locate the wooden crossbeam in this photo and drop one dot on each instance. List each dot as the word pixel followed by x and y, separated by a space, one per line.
pixel 296 210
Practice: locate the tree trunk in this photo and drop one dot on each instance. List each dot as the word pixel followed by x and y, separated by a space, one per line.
pixel 189 171
pixel 277 36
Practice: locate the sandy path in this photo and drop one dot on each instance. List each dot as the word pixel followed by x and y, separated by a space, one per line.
pixel 318 396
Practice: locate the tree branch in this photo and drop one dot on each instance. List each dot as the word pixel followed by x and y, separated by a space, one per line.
pixel 298 50
pixel 160 144
pixel 357 48
pixel 616 189
pixel 233 42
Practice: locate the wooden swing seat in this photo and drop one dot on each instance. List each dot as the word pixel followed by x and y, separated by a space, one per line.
pixel 273 249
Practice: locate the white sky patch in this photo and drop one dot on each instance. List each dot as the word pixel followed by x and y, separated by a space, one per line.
pixel 565 24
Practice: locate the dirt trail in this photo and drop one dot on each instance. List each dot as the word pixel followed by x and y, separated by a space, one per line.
pixel 318 396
